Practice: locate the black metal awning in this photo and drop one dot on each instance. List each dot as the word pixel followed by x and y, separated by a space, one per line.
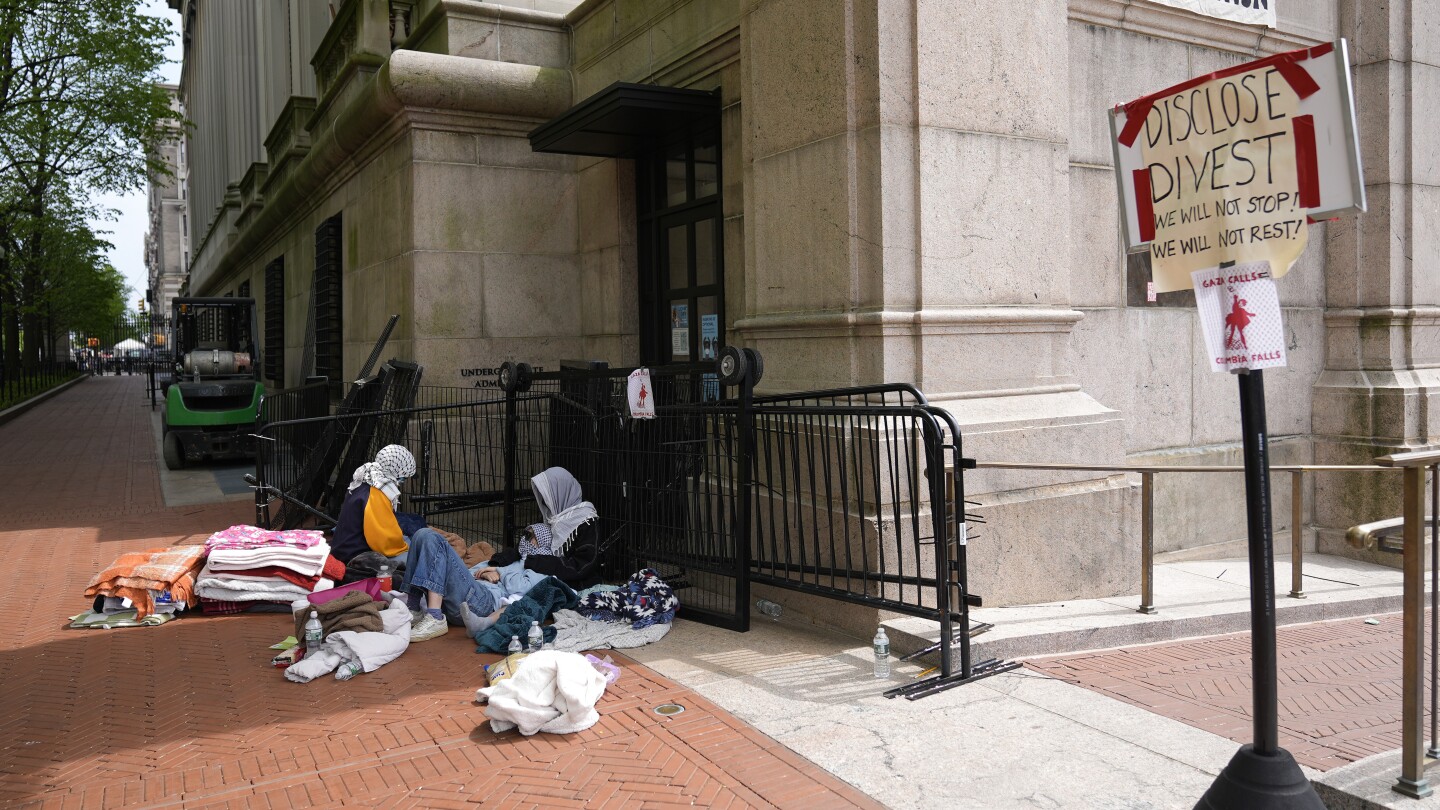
pixel 625 119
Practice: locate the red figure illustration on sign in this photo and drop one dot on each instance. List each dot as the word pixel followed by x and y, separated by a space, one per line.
pixel 643 392
pixel 1235 324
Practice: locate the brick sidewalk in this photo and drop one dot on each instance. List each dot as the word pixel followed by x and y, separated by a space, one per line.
pixel 190 714
pixel 1339 686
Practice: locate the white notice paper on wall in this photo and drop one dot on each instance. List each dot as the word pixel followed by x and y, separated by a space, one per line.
pixel 1252 12
pixel 1240 315
pixel 642 395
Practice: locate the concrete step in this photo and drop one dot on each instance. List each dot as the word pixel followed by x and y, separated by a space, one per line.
pixel 1198 598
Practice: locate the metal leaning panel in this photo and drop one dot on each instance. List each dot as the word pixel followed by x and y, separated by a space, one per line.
pixel 288 436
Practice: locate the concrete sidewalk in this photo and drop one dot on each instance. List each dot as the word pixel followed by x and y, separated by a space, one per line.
pixel 1136 727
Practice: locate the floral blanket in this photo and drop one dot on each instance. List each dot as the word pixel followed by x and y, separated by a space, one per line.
pixel 643 601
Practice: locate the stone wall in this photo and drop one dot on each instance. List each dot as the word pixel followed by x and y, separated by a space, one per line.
pixel 1147 360
pixel 1377 393
pixel 448 218
pixel 910 194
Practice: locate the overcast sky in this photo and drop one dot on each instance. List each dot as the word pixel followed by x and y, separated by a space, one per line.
pixel 127 234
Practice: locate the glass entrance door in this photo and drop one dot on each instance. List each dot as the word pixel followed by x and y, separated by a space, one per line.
pixel 681 256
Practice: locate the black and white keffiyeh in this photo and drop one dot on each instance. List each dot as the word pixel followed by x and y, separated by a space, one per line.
pixel 391 465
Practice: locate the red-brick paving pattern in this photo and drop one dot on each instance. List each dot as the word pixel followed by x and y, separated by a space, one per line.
pixel 1339 686
pixel 191 714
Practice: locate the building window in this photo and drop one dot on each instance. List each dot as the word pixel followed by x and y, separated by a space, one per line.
pixel 326 300
pixel 275 321
pixel 244 289
pixel 682 267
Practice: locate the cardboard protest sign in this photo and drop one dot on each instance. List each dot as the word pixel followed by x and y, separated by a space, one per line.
pixel 1251 12
pixel 1229 166
pixel 1222 176
pixel 1240 316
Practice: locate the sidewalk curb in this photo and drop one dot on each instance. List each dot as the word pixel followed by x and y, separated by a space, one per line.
pixel 16 410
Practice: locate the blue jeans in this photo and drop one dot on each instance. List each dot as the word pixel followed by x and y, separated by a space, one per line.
pixel 432 565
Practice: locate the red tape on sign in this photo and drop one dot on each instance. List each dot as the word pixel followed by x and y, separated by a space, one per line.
pixel 1307 168
pixel 1144 204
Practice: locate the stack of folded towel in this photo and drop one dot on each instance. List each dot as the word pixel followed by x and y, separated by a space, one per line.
pixel 247 564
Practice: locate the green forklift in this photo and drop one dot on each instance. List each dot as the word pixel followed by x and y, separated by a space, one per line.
pixel 212 393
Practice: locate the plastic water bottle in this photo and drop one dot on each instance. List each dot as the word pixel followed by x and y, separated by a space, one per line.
pixel 314 634
pixel 515 646
pixel 769 608
pixel 882 654
pixel 384 577
pixel 535 639
pixel 347 671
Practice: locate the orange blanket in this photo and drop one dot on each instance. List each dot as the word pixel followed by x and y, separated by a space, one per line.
pixel 135 574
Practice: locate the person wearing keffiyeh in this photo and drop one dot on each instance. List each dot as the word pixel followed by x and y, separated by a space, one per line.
pixel 367 517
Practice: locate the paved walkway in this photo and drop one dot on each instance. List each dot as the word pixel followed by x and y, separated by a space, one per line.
pixel 1339 686
pixel 190 714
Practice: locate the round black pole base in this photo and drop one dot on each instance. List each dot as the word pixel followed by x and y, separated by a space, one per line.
pixel 1257 782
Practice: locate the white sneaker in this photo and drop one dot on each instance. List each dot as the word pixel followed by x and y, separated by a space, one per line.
pixel 427 628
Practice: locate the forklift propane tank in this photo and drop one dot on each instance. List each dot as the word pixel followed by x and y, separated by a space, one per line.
pixel 215 362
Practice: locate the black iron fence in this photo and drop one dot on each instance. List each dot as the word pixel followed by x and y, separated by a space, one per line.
pixel 134 344
pixel 19 385
pixel 840 494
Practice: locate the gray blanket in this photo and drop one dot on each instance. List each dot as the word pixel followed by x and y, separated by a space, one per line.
pixel 574 633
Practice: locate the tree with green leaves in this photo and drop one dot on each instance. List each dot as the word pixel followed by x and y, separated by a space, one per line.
pixel 80 114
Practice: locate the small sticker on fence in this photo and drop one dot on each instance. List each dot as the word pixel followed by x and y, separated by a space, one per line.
pixel 642 395
pixel 1150 292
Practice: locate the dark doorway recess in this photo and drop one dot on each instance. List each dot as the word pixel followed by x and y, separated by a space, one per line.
pixel 673 135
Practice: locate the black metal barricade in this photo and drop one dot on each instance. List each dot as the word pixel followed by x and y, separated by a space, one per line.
pixel 842 494
pixel 665 488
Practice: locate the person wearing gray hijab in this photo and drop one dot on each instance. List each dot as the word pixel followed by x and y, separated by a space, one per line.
pixel 566 543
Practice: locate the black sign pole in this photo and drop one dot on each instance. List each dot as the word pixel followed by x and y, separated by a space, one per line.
pixel 1261 775
pixel 1264 677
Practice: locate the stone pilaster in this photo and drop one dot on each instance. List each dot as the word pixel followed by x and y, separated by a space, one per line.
pixel 1378 393
pixel 908 216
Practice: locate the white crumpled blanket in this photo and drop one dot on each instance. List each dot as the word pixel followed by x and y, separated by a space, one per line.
pixel 551 691
pixel 371 650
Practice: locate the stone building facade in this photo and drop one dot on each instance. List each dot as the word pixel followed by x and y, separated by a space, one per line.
pixel 865 191
pixel 167 242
